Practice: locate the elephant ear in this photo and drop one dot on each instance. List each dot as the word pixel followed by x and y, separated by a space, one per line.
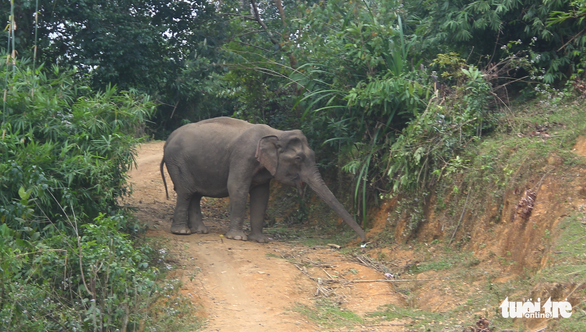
pixel 267 151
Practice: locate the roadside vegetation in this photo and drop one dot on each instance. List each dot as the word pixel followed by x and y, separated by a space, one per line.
pixel 70 258
pixel 450 103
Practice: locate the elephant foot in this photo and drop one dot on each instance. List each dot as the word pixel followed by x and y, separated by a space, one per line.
pixel 180 229
pixel 258 237
pixel 199 229
pixel 236 235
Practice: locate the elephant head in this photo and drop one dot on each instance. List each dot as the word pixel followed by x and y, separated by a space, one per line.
pixel 291 161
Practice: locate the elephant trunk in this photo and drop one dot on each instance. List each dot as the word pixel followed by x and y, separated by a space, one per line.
pixel 317 184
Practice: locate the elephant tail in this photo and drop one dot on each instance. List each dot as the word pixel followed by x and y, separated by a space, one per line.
pixel 163 176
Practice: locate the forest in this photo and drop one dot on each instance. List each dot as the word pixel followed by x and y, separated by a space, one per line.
pixel 392 95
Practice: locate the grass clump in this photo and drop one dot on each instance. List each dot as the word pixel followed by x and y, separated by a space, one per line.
pixel 419 317
pixel 328 314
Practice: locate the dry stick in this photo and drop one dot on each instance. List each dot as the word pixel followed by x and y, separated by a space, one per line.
pixel 174 108
pixel 78 241
pixel 321 289
pixel 461 216
pixel 571 39
pixel 444 301
pixel 540 181
pixel 381 280
pixel 572 292
pixel 304 272
pixel 262 24
pixel 331 278
pixel 574 273
pixel 507 83
pixel 506 106
pixel 578 239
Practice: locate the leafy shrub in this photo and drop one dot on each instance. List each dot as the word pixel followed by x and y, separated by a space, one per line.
pixel 431 143
pixel 97 281
pixel 362 85
pixel 552 31
pixel 65 265
pixel 68 148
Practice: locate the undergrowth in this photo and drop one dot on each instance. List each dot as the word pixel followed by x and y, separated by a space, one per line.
pixel 328 314
pixel 70 258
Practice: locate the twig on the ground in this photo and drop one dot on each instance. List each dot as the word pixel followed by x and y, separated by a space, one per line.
pixel 572 292
pixel 321 288
pixel 578 239
pixel 538 184
pixel 326 272
pixel 461 216
pixel 376 325
pixel 378 280
pixel 316 264
pixel 304 272
pixel 391 281
pixel 366 261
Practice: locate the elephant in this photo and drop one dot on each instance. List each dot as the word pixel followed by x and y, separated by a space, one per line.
pixel 227 157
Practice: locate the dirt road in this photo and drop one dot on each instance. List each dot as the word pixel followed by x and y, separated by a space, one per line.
pixel 247 286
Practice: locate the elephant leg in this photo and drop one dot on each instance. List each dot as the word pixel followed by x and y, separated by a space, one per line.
pixel 196 224
pixel 238 197
pixel 259 199
pixel 180 217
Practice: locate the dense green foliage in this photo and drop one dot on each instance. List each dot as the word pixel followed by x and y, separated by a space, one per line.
pixel 480 30
pixel 365 80
pixel 393 92
pixel 60 282
pixel 159 47
pixel 65 146
pixel 65 265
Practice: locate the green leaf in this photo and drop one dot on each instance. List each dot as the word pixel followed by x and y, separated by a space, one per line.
pixel 24 194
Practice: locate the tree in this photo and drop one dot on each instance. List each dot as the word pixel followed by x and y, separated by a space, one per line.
pixel 482 31
pixel 154 46
pixel 130 43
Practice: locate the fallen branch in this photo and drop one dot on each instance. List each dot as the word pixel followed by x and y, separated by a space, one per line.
pixel 380 280
pixel 321 289
pixel 461 216
pixel 578 239
pixel 538 185
pixel 304 272
pixel 572 292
